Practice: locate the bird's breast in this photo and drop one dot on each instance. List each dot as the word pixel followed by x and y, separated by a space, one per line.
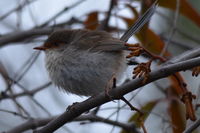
pixel 83 72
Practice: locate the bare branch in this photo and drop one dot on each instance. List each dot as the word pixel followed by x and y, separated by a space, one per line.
pixel 20 36
pixel 173 30
pixel 178 43
pixel 19 7
pixel 61 12
pixel 14 113
pixel 117 93
pixel 25 93
pixel 192 37
pixel 23 35
pixel 194 126
pixel 104 24
pixel 34 123
pixel 185 56
pixel 26 66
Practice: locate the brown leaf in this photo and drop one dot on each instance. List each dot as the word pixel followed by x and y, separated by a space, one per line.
pixel 92 21
pixel 177 114
pixel 186 9
pixel 151 41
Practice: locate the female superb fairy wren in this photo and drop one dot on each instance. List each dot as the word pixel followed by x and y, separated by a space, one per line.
pixel 82 62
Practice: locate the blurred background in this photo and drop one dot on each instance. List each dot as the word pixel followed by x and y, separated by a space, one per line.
pixel 26 91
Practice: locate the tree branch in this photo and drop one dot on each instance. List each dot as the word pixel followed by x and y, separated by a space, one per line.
pixel 105 24
pixel 25 93
pixel 60 13
pixel 194 126
pixel 116 93
pixel 22 35
pixel 19 36
pixel 34 123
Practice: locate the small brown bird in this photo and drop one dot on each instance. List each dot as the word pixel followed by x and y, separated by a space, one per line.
pixel 83 62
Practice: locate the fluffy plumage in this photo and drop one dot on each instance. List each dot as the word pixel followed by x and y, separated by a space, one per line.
pixel 82 61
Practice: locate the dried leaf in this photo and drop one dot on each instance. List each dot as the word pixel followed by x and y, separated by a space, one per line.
pixel 186 9
pixel 92 21
pixel 177 114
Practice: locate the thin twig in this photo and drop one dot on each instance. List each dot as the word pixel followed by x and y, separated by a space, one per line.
pixel 26 66
pixel 29 94
pixel 178 43
pixel 173 29
pixel 14 113
pixel 192 127
pixel 34 100
pixel 41 122
pixel 19 7
pixel 184 56
pixel 105 23
pixel 61 12
pixel 20 107
pixel 31 14
pixel 124 105
pixel 180 31
pixel 117 116
pixel 23 35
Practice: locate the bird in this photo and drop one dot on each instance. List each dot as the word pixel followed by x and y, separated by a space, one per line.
pixel 84 62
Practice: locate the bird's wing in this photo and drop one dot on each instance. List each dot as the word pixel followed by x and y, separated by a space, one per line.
pixel 109 45
pixel 99 41
pixel 103 41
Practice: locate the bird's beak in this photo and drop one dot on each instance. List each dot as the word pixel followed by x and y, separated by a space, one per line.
pixel 41 48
